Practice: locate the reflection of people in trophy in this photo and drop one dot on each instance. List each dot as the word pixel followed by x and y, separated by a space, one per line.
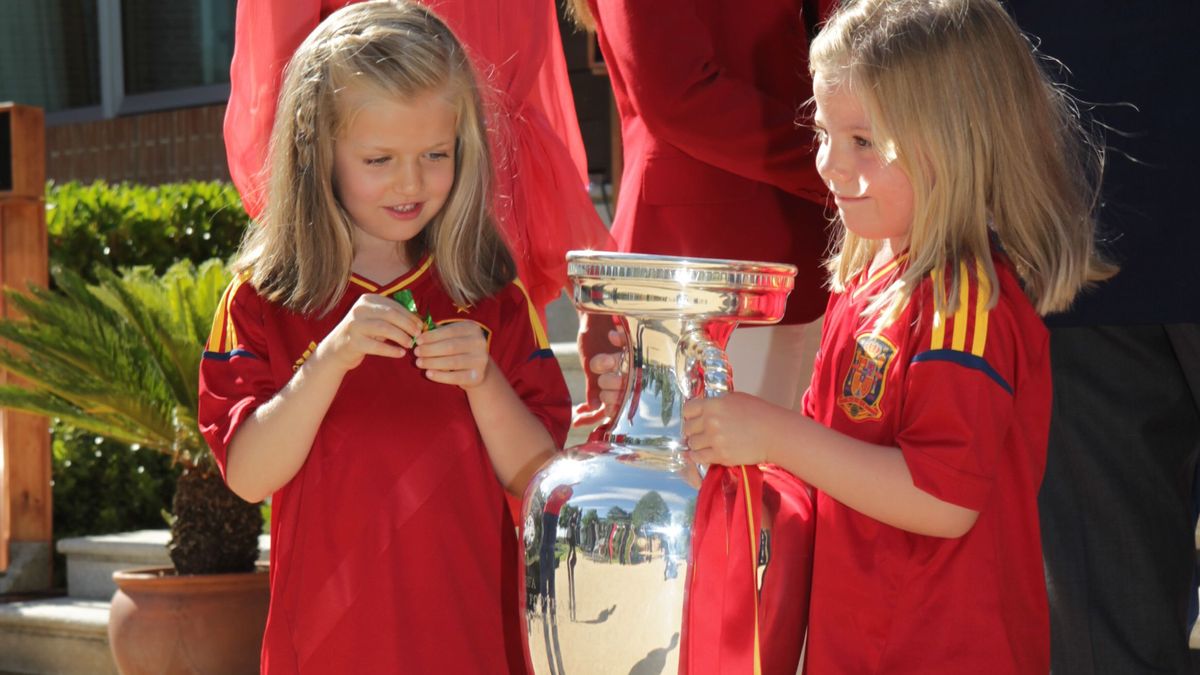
pixel 547 567
pixel 547 557
pixel 612 536
pixel 965 189
pixel 572 541
pixel 670 560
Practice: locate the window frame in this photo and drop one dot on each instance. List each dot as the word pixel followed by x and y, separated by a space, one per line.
pixel 114 102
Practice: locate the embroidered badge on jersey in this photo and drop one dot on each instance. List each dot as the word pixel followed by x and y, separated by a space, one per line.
pixel 862 389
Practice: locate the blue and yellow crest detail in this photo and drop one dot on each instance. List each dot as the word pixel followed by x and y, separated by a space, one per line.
pixel 862 389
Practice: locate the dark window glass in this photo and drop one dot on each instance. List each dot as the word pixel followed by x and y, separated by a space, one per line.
pixel 50 53
pixel 177 44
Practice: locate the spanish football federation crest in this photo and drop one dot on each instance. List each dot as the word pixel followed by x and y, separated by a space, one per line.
pixel 863 387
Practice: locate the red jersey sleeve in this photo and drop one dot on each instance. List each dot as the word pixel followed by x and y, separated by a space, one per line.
pixel 958 394
pixel 521 349
pixel 235 375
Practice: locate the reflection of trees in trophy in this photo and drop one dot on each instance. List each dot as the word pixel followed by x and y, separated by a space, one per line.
pixel 590 526
pixel 649 515
pixel 651 509
pixel 660 380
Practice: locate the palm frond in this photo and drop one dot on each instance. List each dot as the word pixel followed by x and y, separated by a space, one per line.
pixel 42 403
pixel 120 359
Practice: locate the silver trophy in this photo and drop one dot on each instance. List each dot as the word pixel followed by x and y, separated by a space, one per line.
pixel 608 524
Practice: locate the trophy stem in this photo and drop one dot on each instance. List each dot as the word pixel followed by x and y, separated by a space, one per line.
pixel 658 382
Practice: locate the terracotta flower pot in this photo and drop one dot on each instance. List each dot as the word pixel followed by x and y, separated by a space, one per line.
pixel 163 623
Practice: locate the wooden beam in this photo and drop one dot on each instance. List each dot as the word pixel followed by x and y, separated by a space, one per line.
pixel 25 495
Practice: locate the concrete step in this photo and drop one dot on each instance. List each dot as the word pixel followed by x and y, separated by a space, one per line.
pixel 91 561
pixel 65 636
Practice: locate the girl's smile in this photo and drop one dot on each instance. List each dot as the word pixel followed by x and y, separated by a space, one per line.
pixel 405 211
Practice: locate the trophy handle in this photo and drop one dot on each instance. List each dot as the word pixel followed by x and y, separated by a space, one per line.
pixel 702 366
pixel 703 370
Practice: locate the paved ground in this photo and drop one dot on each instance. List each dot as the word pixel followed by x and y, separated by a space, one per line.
pixel 620 625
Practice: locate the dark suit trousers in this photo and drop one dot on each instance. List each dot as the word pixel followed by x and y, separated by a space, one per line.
pixel 1117 514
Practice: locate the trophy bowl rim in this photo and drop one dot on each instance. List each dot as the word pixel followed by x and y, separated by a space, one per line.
pixel 684 270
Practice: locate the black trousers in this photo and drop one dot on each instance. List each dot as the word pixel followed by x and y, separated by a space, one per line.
pixel 1117 514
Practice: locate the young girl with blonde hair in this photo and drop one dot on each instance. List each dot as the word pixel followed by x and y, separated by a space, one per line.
pixel 965 190
pixel 376 368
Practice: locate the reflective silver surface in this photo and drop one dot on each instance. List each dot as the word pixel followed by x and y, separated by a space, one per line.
pixel 607 525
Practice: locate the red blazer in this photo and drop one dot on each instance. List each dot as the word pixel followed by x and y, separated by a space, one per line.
pixel 709 93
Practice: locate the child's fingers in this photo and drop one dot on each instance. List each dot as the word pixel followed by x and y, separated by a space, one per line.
pixel 601 364
pixel 453 338
pixel 386 309
pixel 462 378
pixel 700 456
pixel 610 388
pixel 381 330
pixel 455 353
pixel 368 344
pixel 453 331
pixel 452 362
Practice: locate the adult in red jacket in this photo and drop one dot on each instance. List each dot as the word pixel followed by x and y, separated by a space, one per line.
pixel 716 165
pixel 541 204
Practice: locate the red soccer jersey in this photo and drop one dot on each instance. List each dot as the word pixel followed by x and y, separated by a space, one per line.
pixel 966 398
pixel 392 549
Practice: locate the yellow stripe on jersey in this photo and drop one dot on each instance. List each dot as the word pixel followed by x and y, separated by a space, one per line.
pixel 409 279
pixel 939 320
pixel 982 298
pixel 891 265
pixel 753 566
pixel 223 336
pixel 539 331
pixel 960 315
pixel 365 284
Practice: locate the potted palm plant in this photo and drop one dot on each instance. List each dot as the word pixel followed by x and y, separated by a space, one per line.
pixel 121 359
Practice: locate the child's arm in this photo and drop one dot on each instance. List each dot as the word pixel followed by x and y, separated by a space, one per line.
pixel 871 479
pixel 271 445
pixel 517 442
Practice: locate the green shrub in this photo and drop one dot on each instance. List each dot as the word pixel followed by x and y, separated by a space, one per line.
pixel 103 487
pixel 126 225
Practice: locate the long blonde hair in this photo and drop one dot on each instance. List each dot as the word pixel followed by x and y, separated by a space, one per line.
pixel 991 146
pixel 300 253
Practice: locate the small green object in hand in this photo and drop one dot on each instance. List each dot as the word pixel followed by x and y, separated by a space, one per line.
pixel 406 300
